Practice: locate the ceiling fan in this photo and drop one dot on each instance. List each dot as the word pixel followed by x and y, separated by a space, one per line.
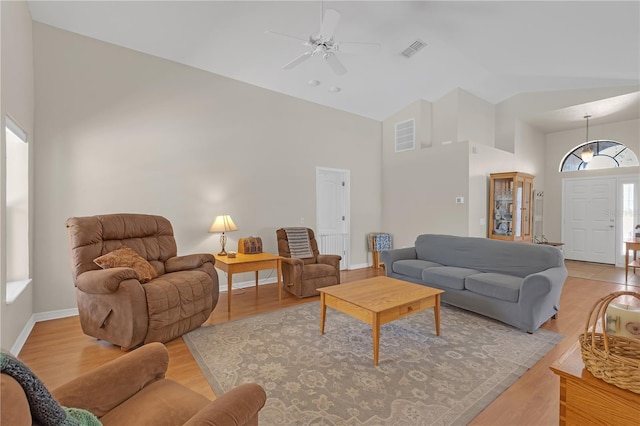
pixel 323 43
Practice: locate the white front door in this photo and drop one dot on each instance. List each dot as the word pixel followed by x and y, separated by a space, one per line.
pixel 332 207
pixel 589 207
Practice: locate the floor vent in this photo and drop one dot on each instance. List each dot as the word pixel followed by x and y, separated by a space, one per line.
pixel 413 48
pixel 405 135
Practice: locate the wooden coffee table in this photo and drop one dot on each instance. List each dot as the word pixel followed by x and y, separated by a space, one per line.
pixel 378 301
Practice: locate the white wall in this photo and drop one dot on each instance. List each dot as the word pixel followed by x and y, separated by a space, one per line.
pixel 559 143
pixel 16 100
pixel 420 187
pixel 476 119
pixel 121 131
pixel 525 106
pixel 445 118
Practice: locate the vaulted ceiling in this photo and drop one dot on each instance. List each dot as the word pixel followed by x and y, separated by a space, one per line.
pixel 492 49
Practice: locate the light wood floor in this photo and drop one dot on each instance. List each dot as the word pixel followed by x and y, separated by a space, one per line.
pixel 58 351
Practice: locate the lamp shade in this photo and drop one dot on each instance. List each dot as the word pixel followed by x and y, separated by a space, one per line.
pixel 223 223
pixel 586 155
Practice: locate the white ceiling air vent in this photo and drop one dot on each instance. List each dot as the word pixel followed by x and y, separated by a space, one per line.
pixel 413 48
pixel 405 135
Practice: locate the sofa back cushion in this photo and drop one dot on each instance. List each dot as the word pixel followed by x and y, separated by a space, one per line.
pixel 486 255
pixel 93 236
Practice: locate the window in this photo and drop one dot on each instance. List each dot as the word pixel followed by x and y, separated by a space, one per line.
pixel 17 209
pixel 606 155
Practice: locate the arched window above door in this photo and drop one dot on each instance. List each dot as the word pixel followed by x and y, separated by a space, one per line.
pixel 600 154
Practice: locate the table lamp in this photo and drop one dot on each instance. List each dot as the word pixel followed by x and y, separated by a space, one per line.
pixel 223 223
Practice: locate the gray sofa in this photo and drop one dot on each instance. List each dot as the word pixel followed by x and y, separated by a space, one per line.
pixel 516 283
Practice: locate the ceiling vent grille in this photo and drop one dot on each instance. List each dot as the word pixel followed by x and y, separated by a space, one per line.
pixel 413 48
pixel 405 135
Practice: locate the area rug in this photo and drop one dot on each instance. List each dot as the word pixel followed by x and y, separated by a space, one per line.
pixel 330 379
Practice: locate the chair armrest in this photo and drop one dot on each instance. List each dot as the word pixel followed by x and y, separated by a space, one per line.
pixel 293 261
pixel 329 259
pixel 104 281
pixel 107 386
pixel 189 261
pixel 238 407
pixel 392 255
pixel 15 408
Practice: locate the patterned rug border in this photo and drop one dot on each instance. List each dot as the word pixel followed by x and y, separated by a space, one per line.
pixel 470 406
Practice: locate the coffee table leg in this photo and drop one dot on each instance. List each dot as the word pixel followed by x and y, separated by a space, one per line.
pixel 436 312
pixel 375 327
pixel 323 312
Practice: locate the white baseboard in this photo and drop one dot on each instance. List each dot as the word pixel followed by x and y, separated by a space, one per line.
pixel 22 337
pixel 63 313
pixel 245 284
pixel 41 316
pixel 272 280
pixel 359 266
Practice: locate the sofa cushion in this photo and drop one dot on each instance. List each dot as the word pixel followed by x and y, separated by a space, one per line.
pixel 126 257
pixel 447 276
pixel 498 286
pixel 412 267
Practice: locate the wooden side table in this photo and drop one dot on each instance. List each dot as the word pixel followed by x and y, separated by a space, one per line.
pixel 631 245
pixel 587 400
pixel 247 263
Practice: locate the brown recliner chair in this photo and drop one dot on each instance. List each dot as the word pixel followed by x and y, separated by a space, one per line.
pixel 114 304
pixel 303 277
pixel 132 390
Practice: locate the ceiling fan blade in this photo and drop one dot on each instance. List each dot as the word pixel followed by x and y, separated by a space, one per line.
pixel 286 35
pixel 297 61
pixel 358 48
pixel 335 63
pixel 329 23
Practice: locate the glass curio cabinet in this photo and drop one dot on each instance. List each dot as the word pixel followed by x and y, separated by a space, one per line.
pixel 510 206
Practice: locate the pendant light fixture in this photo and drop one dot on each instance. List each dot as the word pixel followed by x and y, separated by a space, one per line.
pixel 587 152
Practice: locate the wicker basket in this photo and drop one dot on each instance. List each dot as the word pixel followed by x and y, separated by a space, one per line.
pixel 614 359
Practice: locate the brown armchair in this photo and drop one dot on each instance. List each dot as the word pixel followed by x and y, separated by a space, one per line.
pixel 132 390
pixel 303 277
pixel 118 306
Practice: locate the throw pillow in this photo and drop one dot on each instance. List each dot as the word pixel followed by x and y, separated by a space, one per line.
pixel 126 257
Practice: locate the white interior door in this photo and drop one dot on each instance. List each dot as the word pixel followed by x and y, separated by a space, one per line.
pixel 589 207
pixel 332 212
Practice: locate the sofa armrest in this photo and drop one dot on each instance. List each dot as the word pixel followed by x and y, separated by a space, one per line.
pixel 107 386
pixel 238 407
pixel 547 282
pixel 389 256
pixel 330 259
pixel 104 281
pixel 189 261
